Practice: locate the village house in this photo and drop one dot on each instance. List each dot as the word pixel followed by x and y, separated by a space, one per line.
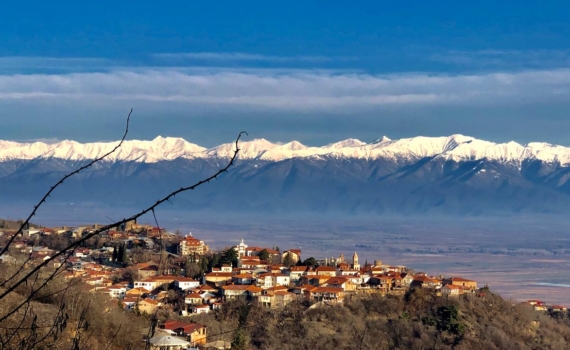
pixel 382 281
pixel 129 302
pixel 240 291
pixel 557 308
pixel 299 291
pixel 296 272
pixel 146 270
pixel 277 268
pixel 195 333
pixel 251 264
pixel 148 305
pixel 235 291
pixel 347 272
pixel 406 279
pixel 43 250
pixel 274 255
pixel 244 278
pixel 208 297
pixel 154 282
pixel 205 289
pixel 398 269
pixel 294 255
pixel 315 280
pixel 82 252
pixel 425 282
pixel 148 284
pixel 275 297
pixel 326 271
pixel 200 309
pixel 117 290
pixel 193 299
pixel 324 294
pixel 136 292
pixel 342 283
pixel 458 281
pixel 190 245
pixel 185 283
pixel 358 279
pixel 218 278
pixel 268 280
pixel 451 290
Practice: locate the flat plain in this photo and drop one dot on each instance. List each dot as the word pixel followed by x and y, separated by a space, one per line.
pixel 520 257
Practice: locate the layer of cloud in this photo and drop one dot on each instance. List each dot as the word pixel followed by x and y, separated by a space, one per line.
pixel 67 64
pixel 239 56
pixel 504 59
pixel 282 90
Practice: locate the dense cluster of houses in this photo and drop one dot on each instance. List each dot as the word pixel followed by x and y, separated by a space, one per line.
pixel 267 276
pixel 538 305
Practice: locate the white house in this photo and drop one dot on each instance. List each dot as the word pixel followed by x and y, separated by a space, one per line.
pixel 148 284
pixel 117 291
pixel 268 280
pixel 348 272
pixel 281 279
pixel 186 283
pixel 296 272
pixel 451 290
pixel 201 309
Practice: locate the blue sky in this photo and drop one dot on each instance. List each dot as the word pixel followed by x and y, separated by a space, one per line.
pixel 315 71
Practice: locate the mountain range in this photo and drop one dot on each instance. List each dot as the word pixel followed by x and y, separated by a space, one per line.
pixel 454 175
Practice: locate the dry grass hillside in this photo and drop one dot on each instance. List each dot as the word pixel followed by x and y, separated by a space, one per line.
pixel 419 320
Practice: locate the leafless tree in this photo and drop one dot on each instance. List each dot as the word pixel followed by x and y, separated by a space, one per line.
pixel 22 287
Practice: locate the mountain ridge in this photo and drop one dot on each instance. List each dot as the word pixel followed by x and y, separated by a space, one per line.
pixel 454 175
pixel 456 147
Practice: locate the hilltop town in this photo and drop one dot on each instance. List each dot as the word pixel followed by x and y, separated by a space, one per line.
pixel 148 271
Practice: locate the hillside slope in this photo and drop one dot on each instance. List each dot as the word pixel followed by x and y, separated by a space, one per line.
pixel 420 320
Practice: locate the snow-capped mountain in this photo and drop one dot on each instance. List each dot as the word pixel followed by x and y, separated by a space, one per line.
pixel 449 175
pixel 139 151
pixel 456 147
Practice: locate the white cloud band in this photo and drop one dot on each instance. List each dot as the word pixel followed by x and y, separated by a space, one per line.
pixel 289 90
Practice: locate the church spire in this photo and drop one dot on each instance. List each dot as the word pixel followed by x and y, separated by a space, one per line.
pixel 355 264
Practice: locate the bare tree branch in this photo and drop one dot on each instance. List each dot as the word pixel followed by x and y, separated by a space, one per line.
pixel 60 182
pixel 148 209
pixel 114 336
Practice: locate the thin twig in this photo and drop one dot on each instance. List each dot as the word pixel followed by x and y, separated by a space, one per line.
pixel 75 244
pixel 60 182
pixel 114 336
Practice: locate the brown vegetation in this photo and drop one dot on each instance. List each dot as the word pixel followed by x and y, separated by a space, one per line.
pixel 66 315
pixel 419 320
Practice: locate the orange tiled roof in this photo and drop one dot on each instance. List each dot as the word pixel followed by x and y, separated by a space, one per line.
pixel 253 289
pixel 327 290
pixel 325 268
pixel 235 287
pixel 337 280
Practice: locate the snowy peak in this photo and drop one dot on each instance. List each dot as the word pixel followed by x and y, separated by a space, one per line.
pixel 248 149
pixel 454 147
pixel 383 139
pixel 347 143
pixel 135 150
